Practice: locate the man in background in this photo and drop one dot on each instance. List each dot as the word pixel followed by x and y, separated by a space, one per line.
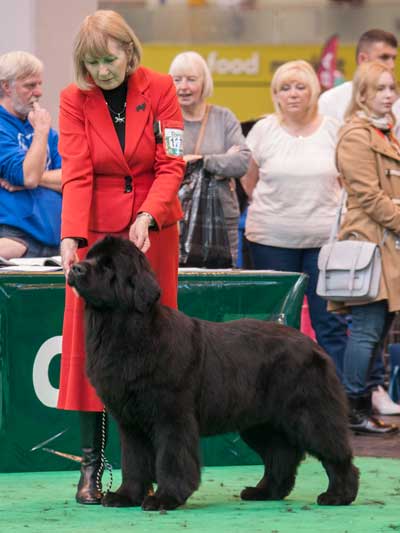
pixel 373 45
pixel 30 165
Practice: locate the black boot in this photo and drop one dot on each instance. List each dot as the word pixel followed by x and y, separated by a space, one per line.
pixel 361 420
pixel 89 486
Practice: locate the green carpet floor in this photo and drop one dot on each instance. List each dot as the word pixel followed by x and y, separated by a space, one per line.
pixel 43 503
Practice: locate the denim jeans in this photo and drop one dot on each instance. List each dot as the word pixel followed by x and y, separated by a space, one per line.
pixel 330 329
pixel 370 325
pixel 34 248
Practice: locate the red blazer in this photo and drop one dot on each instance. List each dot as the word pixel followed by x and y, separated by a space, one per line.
pixel 96 200
pixel 94 169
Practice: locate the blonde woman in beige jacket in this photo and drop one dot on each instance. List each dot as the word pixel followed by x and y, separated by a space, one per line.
pixel 368 158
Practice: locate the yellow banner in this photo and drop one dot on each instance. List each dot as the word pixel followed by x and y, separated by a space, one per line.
pixel 242 74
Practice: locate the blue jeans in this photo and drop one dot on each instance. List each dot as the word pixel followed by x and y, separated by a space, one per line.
pixel 330 329
pixel 370 325
pixel 34 248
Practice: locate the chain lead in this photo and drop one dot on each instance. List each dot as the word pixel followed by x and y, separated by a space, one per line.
pixel 104 464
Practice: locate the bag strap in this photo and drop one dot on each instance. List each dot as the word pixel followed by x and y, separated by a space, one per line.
pixel 335 228
pixel 202 130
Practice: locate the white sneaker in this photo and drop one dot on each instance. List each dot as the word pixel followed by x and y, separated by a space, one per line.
pixel 383 404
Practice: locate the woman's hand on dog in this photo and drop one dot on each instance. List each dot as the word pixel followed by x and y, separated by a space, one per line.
pixel 139 233
pixel 69 256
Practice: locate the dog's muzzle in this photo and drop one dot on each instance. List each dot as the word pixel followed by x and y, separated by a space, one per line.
pixel 77 272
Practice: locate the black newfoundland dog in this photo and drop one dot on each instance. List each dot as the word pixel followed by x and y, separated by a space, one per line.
pixel 169 379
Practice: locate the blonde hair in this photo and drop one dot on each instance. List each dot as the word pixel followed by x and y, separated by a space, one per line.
pixel 365 86
pixel 92 40
pixel 188 60
pixel 296 70
pixel 18 65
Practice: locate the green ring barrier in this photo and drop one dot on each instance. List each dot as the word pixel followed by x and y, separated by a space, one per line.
pixel 31 311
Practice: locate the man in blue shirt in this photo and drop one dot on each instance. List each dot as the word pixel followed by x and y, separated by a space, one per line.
pixel 30 165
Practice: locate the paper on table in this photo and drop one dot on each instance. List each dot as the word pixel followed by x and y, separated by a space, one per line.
pixel 31 263
pixel 30 268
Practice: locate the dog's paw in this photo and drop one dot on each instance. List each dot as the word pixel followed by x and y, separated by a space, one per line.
pixel 158 503
pixel 113 499
pixel 254 493
pixel 327 498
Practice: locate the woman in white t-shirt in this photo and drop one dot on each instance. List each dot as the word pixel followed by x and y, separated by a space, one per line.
pixel 294 191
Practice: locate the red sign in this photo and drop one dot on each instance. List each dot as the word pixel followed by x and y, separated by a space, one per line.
pixel 327 65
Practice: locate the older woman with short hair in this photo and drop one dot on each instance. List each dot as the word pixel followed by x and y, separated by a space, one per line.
pixel 294 190
pixel 223 149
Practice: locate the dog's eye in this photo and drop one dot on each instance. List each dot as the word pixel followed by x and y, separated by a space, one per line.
pixel 106 263
pixel 107 270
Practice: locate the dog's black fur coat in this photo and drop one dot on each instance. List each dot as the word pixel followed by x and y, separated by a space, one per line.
pixel 168 379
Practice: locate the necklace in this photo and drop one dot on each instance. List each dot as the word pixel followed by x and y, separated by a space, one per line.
pixel 118 118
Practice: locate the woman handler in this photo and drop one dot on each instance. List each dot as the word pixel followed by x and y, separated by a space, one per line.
pixel 121 146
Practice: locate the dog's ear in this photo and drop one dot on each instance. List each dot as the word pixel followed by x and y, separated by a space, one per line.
pixel 146 291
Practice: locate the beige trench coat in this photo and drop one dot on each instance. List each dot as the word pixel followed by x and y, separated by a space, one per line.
pixel 370 170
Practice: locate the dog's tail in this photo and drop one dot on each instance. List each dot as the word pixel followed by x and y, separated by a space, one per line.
pixel 316 402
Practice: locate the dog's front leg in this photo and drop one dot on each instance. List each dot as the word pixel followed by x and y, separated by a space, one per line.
pixel 177 464
pixel 137 466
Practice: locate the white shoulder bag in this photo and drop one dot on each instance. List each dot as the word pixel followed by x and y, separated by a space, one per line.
pixel 349 271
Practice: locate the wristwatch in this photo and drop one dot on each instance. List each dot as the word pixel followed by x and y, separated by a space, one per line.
pixel 152 223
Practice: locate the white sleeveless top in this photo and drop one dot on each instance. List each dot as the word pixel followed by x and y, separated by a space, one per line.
pixel 295 199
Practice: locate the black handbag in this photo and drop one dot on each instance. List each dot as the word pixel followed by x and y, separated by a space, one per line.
pixel 203 239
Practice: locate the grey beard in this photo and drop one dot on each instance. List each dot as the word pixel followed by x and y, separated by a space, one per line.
pixel 19 107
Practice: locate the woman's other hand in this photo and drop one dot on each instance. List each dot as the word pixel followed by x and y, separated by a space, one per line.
pixel 69 256
pixel 139 232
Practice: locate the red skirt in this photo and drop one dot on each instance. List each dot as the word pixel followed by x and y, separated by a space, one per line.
pixel 76 393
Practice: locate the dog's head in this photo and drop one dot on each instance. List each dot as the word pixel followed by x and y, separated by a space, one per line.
pixel 115 275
